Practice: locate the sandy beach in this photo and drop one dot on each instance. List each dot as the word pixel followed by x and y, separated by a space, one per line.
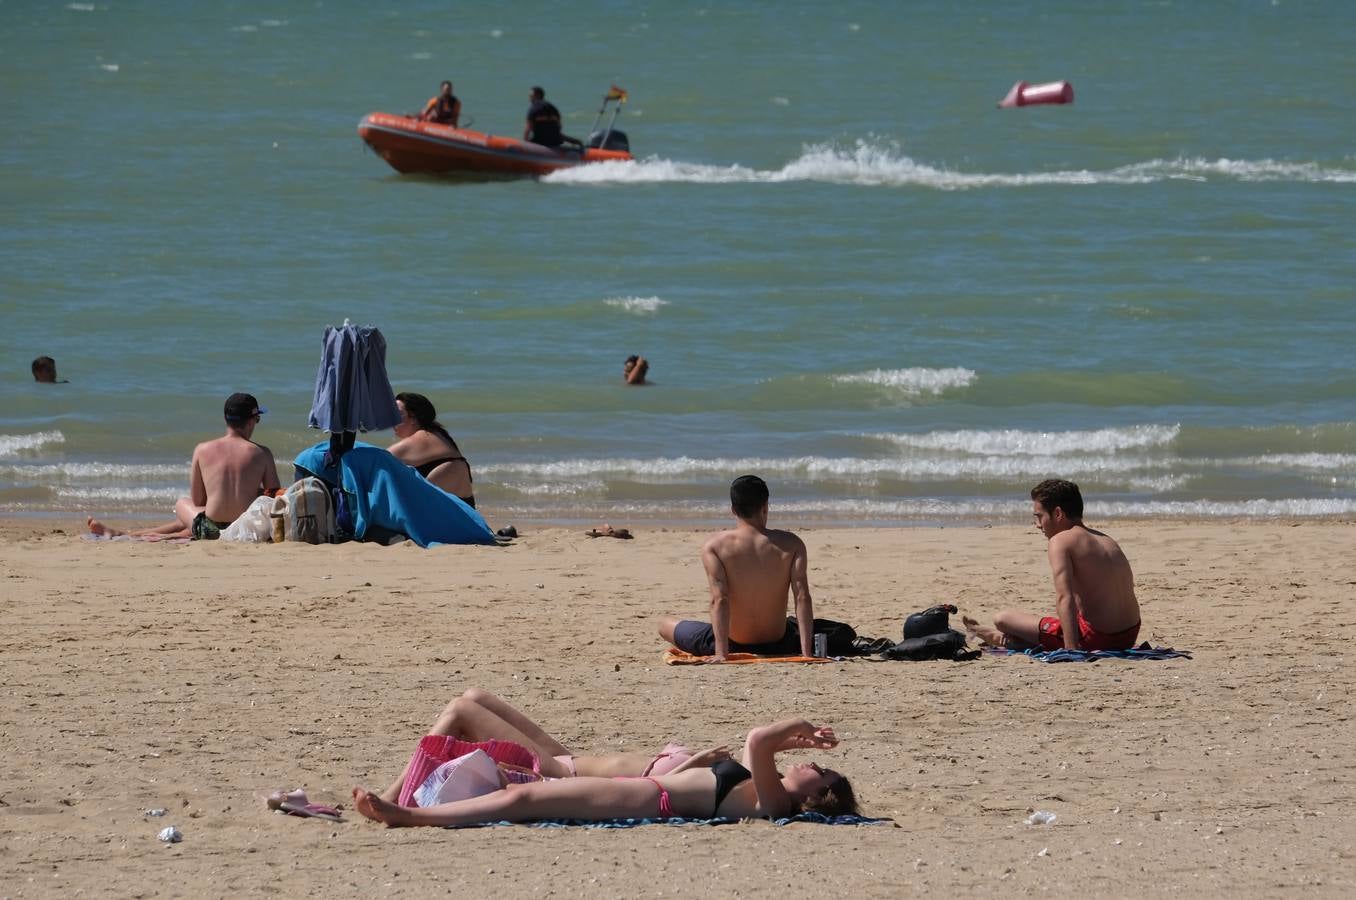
pixel 197 677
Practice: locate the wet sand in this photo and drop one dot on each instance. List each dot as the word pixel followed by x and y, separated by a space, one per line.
pixel 197 677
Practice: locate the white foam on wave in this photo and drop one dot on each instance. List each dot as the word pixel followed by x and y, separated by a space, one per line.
pixel 12 444
pixel 81 7
pixel 554 489
pixel 913 381
pixel 109 67
pixel 1249 509
pixel 114 494
pixel 880 163
pixel 1014 442
pixel 1319 461
pixel 1151 475
pixel 47 472
pixel 637 305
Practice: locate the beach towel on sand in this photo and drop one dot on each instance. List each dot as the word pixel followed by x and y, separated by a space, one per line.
pixel 1143 651
pixel 808 817
pixel 675 657
pixel 391 495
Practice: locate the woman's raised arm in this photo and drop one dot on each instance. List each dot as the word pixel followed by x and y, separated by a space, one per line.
pixel 760 752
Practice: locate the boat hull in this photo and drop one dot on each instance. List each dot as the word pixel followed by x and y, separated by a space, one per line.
pixel 411 146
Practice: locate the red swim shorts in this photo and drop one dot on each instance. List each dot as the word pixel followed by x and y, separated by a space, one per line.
pixel 1052 636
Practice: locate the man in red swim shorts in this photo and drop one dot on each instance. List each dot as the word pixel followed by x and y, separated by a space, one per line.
pixel 1095 601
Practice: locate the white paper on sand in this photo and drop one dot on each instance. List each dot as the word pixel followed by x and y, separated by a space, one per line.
pixel 472 775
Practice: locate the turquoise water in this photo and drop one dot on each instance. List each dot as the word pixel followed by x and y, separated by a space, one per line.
pixel 851 273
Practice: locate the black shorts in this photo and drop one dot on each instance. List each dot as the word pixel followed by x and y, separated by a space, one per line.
pixel 699 639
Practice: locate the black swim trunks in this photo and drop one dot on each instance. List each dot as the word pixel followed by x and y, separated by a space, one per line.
pixel 699 639
pixel 204 529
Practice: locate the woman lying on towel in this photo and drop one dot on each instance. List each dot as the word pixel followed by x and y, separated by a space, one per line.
pixel 481 716
pixel 730 790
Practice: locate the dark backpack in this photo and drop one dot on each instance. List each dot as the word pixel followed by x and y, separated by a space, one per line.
pixel 950 644
pixel 930 621
pixel 929 635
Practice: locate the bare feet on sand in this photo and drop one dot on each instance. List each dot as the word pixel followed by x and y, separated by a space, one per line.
pixel 377 809
pixel 985 633
pixel 609 531
pixel 99 528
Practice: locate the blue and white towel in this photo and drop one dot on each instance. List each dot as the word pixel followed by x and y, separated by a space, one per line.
pixel 1143 651
pixel 811 817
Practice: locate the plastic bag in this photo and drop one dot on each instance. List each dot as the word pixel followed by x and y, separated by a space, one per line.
pixel 472 775
pixel 253 526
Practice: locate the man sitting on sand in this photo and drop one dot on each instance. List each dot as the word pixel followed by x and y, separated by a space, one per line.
pixel 750 569
pixel 227 475
pixel 1095 601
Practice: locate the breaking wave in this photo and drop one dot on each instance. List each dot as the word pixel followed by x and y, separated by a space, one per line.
pixel 1038 443
pixel 12 444
pixel 915 381
pixel 637 305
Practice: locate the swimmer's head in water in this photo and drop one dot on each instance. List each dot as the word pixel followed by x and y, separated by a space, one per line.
pixel 748 496
pixel 44 370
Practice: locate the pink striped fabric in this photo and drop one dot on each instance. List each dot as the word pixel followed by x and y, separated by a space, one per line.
pixel 518 764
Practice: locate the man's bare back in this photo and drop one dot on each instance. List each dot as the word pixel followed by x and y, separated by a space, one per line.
pixel 229 473
pixel 757 569
pixel 749 570
pixel 1100 578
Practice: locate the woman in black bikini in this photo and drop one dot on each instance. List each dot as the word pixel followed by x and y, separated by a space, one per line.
pixel 425 445
pixel 752 790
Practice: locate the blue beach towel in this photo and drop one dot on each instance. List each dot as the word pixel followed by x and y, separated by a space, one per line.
pixel 1143 651
pixel 811 817
pixel 352 392
pixel 391 495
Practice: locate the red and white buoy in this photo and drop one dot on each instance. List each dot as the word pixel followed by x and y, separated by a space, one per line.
pixel 1023 94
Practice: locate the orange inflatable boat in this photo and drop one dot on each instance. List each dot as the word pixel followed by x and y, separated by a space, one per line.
pixel 412 146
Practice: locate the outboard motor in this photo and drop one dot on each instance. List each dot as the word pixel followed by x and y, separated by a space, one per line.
pixel 616 140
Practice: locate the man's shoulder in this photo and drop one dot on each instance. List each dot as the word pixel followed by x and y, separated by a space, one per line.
pixel 1083 539
pixel 787 540
pixel 720 539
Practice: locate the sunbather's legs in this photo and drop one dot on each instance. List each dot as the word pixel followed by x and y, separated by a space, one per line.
pixel 536 735
pixel 168 530
pixel 1011 629
pixel 666 626
pixel 576 798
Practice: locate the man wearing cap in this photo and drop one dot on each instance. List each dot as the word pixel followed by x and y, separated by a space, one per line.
pixel 227 475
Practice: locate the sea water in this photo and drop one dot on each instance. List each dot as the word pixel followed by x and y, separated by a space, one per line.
pixel 851 273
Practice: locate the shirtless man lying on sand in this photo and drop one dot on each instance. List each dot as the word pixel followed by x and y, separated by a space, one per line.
pixel 227 475
pixel 1095 601
pixel 750 569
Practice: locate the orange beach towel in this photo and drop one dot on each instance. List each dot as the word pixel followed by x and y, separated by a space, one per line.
pixel 675 657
